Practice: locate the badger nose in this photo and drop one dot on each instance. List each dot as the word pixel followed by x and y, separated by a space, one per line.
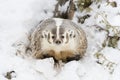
pixel 58 42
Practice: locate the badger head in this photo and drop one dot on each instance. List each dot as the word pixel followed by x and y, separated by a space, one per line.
pixel 58 33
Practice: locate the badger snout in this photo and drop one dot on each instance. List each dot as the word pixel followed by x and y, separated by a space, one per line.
pixel 58 42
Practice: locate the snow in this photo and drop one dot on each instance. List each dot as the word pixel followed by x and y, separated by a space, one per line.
pixel 18 17
pixel 63 8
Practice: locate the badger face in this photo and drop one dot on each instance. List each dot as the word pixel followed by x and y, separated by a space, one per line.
pixel 58 36
pixel 57 33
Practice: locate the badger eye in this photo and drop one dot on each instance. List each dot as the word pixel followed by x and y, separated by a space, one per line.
pixel 42 36
pixel 74 36
pixel 62 37
pixel 53 37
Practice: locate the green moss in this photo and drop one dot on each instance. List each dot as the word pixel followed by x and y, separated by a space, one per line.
pixel 83 4
pixel 113 4
pixel 9 75
pixel 83 18
pixel 112 42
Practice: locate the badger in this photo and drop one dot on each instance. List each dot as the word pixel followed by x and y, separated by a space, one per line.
pixel 61 39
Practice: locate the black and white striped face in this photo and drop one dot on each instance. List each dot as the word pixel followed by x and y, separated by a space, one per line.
pixel 58 34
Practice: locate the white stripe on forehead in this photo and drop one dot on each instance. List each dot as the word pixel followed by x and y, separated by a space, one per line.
pixel 58 23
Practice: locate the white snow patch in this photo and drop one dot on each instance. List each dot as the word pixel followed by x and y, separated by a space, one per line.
pixel 63 8
pixel 111 54
pixel 18 17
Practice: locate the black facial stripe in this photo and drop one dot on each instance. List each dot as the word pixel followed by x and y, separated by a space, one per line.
pixel 49 38
pixel 54 31
pixel 61 31
pixel 67 38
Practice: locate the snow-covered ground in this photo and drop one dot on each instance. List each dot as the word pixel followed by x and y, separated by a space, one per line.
pixel 18 17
